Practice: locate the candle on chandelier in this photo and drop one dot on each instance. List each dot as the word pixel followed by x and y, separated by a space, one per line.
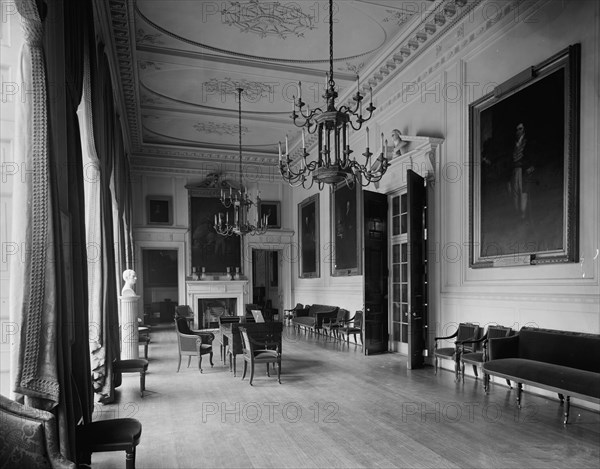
pixel 357 84
pixel 287 150
pixel 280 152
pixel 303 142
pixel 215 220
pixel 382 142
pixel 367 137
pixel 300 91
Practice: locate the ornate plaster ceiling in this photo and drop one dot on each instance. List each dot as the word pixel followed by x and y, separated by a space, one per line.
pixel 180 61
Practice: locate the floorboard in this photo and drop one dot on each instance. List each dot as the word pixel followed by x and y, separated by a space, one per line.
pixel 337 408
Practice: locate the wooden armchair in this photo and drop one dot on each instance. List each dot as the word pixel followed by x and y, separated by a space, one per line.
pixel 331 326
pixel 261 343
pixel 29 437
pixel 476 359
pixel 352 327
pixel 193 343
pixel 466 332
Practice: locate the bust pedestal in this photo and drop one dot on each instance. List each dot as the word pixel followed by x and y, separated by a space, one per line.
pixel 129 327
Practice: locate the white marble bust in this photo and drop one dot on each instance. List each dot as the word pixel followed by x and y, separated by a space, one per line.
pixel 130 278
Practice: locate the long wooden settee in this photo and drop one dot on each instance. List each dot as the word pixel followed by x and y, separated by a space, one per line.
pixel 311 317
pixel 563 362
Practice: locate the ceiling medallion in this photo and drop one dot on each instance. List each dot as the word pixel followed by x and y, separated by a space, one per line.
pixel 253 90
pixel 268 18
pixel 218 129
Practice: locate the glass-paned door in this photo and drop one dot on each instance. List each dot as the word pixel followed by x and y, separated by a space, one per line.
pixel 399 269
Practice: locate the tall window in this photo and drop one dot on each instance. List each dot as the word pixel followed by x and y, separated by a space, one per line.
pixel 11 40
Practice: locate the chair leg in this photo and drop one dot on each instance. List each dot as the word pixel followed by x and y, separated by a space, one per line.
pixel 210 357
pixel 189 360
pixel 436 365
pixel 509 383
pixel 251 372
pixel 268 374
pixel 462 372
pixel 279 372
pixel 179 364
pixel 199 363
pixel 142 383
pixel 474 371
pixel 130 459
pixel 245 368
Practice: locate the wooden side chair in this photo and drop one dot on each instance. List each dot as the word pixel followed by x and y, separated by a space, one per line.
pixel 193 343
pixel 109 435
pixel 120 434
pixel 133 365
pixel 464 333
pixel 352 327
pixel 261 343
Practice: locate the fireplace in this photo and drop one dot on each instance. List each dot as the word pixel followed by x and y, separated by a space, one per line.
pixel 224 297
pixel 211 309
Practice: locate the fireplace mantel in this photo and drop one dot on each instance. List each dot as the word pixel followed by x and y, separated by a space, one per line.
pixel 203 289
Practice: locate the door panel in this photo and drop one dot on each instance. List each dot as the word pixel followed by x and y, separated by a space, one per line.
pixel 375 329
pixel 417 311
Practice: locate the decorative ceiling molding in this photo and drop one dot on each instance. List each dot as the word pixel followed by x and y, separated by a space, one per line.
pixel 126 28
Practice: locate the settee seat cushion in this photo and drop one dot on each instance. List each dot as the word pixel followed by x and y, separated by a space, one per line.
pixel 308 321
pixel 569 379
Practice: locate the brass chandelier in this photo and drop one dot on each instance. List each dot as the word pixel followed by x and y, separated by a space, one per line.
pixel 240 200
pixel 333 163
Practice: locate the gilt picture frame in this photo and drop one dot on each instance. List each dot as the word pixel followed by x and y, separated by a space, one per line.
pixel 346 223
pixel 308 238
pixel 524 167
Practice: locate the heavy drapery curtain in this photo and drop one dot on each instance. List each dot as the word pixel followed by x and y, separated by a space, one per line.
pixel 101 144
pixel 49 284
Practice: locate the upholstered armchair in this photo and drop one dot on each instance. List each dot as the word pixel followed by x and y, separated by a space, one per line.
pixel 465 332
pixel 29 437
pixel 193 343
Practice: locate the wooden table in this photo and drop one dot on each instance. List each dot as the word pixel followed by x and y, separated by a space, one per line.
pixel 231 341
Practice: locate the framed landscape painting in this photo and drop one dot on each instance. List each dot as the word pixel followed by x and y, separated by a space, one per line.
pixel 308 228
pixel 524 161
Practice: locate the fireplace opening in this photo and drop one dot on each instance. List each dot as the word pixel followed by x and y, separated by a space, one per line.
pixel 211 309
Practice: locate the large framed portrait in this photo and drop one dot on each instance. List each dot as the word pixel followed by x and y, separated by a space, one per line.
pixel 211 250
pixel 308 229
pixel 160 267
pixel 346 222
pixel 524 167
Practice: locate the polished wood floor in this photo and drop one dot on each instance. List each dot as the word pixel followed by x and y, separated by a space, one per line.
pixel 338 408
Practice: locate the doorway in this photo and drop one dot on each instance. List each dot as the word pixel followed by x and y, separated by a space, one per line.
pixel 266 281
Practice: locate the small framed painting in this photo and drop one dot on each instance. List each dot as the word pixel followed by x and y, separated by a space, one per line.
pixel 271 209
pixel 159 210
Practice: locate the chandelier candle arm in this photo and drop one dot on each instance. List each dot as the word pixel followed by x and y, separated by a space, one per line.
pixel 332 162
